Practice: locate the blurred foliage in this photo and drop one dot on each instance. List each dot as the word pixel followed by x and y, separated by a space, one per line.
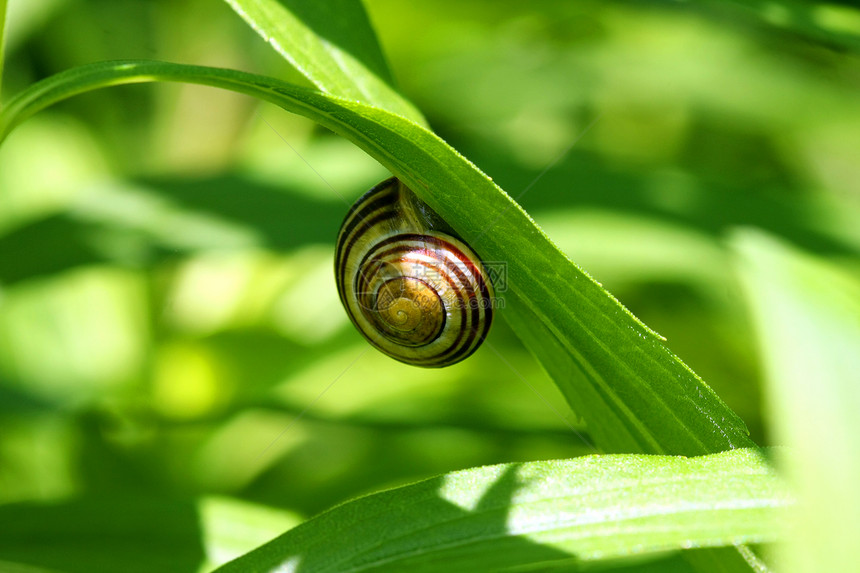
pixel 169 327
pixel 807 314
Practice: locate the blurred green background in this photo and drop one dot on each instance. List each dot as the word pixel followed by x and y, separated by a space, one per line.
pixel 167 306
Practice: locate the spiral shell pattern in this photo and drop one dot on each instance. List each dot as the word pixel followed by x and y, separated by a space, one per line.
pixel 417 294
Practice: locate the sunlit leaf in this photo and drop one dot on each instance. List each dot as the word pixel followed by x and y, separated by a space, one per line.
pixel 232 527
pixel 330 43
pixel 589 509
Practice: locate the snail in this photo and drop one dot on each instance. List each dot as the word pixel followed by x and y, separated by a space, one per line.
pixel 412 288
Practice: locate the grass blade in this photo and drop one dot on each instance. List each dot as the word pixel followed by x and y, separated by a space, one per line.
pixel 332 44
pixel 583 511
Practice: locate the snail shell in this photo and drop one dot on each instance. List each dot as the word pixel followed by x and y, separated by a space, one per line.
pixel 414 290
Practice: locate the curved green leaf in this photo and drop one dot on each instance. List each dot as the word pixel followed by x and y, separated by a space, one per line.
pixel 332 44
pixel 635 395
pixel 590 509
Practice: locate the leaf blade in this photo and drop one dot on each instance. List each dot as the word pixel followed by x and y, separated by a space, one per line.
pixel 638 396
pixel 588 509
pixel 330 43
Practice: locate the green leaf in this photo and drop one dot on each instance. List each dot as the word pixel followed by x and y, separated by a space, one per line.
pixel 332 44
pixel 2 44
pixel 586 510
pixel 807 313
pixel 635 395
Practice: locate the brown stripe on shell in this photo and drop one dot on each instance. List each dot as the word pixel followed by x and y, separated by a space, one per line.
pixel 373 235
